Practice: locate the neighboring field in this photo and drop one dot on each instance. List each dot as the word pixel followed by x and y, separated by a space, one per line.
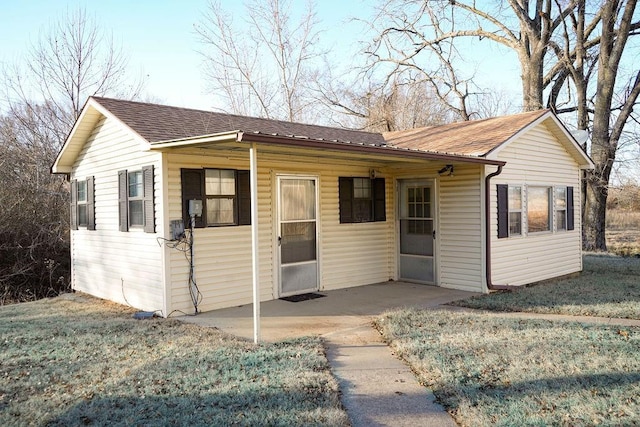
pixel 623 232
pixel 492 371
pixel 75 361
pixel 609 286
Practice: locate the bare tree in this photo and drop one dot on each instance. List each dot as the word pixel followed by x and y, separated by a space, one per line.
pixel 262 66
pixel 42 97
pixel 564 49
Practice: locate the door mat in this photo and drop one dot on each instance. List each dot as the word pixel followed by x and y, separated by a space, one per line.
pixel 302 297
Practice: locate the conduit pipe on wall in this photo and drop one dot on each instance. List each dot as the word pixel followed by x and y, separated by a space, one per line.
pixel 487 225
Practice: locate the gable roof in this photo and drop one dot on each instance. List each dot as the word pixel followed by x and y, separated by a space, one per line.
pixel 160 126
pixel 485 138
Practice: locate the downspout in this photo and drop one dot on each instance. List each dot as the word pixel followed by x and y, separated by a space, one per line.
pixel 487 226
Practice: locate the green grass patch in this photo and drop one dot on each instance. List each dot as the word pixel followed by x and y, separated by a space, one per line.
pixel 492 371
pixel 75 360
pixel 609 286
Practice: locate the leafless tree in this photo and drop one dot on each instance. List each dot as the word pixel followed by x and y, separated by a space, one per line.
pixel 569 50
pixel 42 97
pixel 262 65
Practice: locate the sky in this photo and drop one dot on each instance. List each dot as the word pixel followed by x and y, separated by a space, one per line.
pixel 159 38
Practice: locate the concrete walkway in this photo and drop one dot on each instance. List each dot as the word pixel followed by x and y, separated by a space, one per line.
pixel 377 388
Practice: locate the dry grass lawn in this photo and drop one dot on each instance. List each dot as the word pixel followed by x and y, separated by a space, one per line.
pixel 76 361
pixel 492 371
pixel 609 286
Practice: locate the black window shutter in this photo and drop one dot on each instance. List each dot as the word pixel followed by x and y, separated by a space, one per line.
pixel 503 210
pixel 122 200
pixel 570 210
pixel 149 205
pixel 91 213
pixel 192 181
pixel 243 191
pixel 379 200
pixel 73 208
pixel 345 190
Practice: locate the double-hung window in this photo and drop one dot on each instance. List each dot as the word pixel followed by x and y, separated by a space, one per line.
pixel 82 203
pixel 560 207
pixel 135 199
pixel 515 210
pixel 220 189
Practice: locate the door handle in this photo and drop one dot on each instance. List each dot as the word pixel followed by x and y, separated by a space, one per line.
pixel 279 240
pixel 434 234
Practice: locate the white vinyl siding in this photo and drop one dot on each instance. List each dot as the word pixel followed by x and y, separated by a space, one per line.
pixel 536 160
pixel 107 263
pixel 461 229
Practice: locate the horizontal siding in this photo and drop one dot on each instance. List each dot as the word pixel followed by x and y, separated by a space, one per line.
pixel 536 159
pixel 460 229
pixel 121 266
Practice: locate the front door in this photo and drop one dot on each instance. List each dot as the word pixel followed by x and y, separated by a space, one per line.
pixel 417 231
pixel 297 235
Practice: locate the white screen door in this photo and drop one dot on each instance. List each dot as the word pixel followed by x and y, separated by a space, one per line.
pixel 417 214
pixel 297 235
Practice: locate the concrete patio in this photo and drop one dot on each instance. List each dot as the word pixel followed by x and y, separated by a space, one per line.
pixel 337 311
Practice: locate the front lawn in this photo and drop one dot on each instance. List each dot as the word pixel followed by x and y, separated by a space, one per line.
pixel 609 286
pixel 75 361
pixel 490 371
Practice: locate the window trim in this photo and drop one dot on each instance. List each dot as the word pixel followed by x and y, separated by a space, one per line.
pixel 556 210
pixel 520 211
pixel 75 204
pixel 502 207
pixel 192 182
pixel 148 201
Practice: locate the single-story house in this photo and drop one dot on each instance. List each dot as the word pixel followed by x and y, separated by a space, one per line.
pixel 173 208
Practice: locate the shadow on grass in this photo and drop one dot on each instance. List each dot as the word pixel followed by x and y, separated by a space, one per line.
pixel 274 408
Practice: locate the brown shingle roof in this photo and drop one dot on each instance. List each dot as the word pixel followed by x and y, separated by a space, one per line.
pixel 472 138
pixel 156 122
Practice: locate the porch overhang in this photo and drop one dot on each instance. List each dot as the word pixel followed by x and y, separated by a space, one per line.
pixel 240 140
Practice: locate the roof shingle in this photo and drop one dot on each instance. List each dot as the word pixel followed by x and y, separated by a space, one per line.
pixel 471 138
pixel 156 122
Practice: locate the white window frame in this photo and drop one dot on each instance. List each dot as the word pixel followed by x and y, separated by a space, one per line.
pixel 520 211
pixel 556 209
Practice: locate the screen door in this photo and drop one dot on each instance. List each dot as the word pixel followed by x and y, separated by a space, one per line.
pixel 297 238
pixel 417 232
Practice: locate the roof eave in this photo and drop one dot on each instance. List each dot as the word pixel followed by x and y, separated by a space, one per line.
pixel 195 141
pixel 361 148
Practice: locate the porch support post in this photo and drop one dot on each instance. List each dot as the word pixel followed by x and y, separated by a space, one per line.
pixel 253 174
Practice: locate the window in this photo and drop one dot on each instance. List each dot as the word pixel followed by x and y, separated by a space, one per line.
pixel 82 211
pixel 225 193
pixel 515 210
pixel 419 209
pixel 540 216
pixel 82 203
pixel 135 199
pixel 220 189
pixel 560 207
pixel 538 209
pixel 361 199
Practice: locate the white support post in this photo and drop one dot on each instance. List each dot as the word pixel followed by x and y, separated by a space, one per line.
pixel 253 174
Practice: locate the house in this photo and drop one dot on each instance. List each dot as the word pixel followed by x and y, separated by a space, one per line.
pixel 284 208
